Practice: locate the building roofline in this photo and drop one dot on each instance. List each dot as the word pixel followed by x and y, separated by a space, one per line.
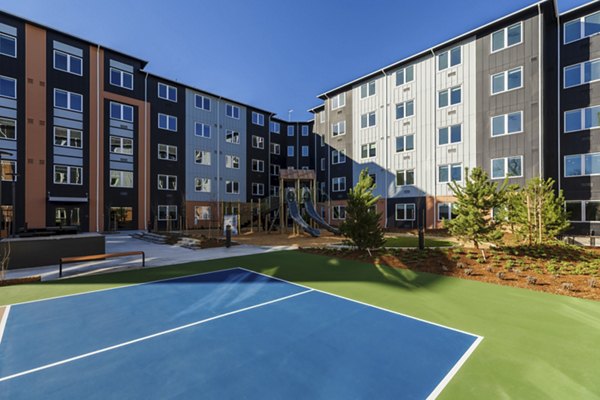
pixel 433 48
pixel 579 7
pixel 312 110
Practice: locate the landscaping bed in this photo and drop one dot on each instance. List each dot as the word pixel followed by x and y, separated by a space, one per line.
pixel 17 281
pixel 559 269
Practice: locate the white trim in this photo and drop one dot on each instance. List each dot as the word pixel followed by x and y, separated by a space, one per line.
pixel 3 321
pixel 505 175
pixel 169 119
pixel 581 21
pixel 121 82
pixel 448 52
pixel 581 164
pixel 152 336
pixel 505 30
pixel 404 104
pixel 449 91
pixel 16 45
pixel 233 108
pixel 404 206
pixel 505 117
pixel 505 81
pixel 448 127
pixel 168 146
pixel 69 57
pixel 581 119
pixel 581 67
pixel 167 87
pixel 69 95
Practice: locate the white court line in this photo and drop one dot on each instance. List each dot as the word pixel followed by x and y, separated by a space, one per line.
pixel 179 328
pixel 3 321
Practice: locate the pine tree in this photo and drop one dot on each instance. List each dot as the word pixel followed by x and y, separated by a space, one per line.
pixel 361 225
pixel 474 202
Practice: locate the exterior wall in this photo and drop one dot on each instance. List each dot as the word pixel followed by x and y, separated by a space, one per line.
pixel 254 153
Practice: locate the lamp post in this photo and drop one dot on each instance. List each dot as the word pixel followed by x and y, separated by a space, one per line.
pixel 3 153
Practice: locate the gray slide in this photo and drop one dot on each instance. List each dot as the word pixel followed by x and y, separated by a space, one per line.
pixel 290 196
pixel 312 213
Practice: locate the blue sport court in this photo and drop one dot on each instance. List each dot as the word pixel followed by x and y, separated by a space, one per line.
pixel 229 334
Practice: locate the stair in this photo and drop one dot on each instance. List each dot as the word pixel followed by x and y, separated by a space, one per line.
pixel 150 237
pixel 189 243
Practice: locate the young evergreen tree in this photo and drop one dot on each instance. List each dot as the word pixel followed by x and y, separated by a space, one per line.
pixel 474 202
pixel 361 225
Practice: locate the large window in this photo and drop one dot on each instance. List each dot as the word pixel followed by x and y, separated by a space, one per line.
pixel 584 118
pixel 202 130
pixel 202 185
pixel 232 162
pixel 258 165
pixel 232 111
pixel 305 130
pixel 167 213
pixel 511 167
pixel 122 179
pixel 202 157
pixel 258 142
pixel 339 212
pixel 290 151
pixel 258 119
pixel 258 189
pixel 121 112
pixel 445 211
pixel 202 102
pixel 8 87
pixel 338 101
pixel 8 129
pixel 167 92
pixel 582 73
pixel 368 150
pixel 232 187
pixel 449 97
pixel 68 100
pixel 367 89
pixel 507 124
pixel 405 177
pixel 338 156
pixel 367 120
pixel 8 45
pixel 232 136
pixel 167 182
pixel 405 109
pixel 290 130
pixel 304 150
pixel 275 127
pixel 507 80
pixel 121 145
pixel 68 63
pixel 275 148
pixel 449 58
pixel 405 212
pixel 167 152
pixel 450 134
pixel 592 211
pixel 405 75
pixel 275 169
pixel 582 164
pixel 339 128
pixel 582 27
pixel 450 172
pixel 506 37
pixel 121 78
pixel 405 143
pixel 67 175
pixel 338 184
pixel 574 210
pixel 167 122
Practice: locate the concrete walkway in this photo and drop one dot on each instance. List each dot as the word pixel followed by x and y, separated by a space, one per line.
pixel 156 255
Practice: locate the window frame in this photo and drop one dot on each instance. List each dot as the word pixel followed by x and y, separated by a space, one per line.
pixel 233 187
pixel 258 118
pixel 337 126
pixel 505 173
pixel 68 174
pixel 69 57
pixel 450 166
pixel 202 153
pixel 293 148
pixel 168 208
pixel 337 98
pixel 275 149
pixel 450 207
pixel 260 142
pixel 203 99
pixel 167 91
pixel 581 112
pixel 122 113
pixel 168 178
pixel 121 142
pixel 403 70
pixel 260 186
pixel 368 119
pixel 122 73
pixel 404 149
pixel 69 101
pixel 404 173
pixel 368 147
pixel 259 163
pixel 505 37
pixel 582 165
pixel 449 94
pixel 14 81
pixel 201 180
pixel 339 154
pixel 505 81
pixel 449 53
pixel 341 212
pixel 305 131
pixel 14 124
pixel 234 136
pixel 167 148
pixel 340 180
pixel 405 206
pixel 121 174
pixel 404 105
pixel 233 109
pixel 368 86
pixel 233 160
pixel 202 125
pixel 304 153
pixel 14 39
pixel 581 22
pixel 449 128
pixel 169 119
pixel 505 118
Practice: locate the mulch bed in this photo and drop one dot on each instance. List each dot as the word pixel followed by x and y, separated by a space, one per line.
pixel 17 281
pixel 565 270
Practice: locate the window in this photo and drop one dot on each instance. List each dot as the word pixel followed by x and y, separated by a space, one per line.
pixel 405 143
pixel 258 119
pixel 290 130
pixel 304 130
pixel 584 118
pixel 450 172
pixel 167 213
pixel 167 122
pixel 232 162
pixel 8 87
pixel 322 140
pixel 405 75
pixel 574 211
pixel 373 178
pixel 450 134
pixel 202 102
pixel 8 129
pixel 323 164
pixel 582 164
pixel 582 27
pixel 290 151
pixel 368 150
pixel 449 97
pixel 511 167
pixel 367 120
pixel 65 175
pixel 304 151
pixel 167 182
pixel 592 211
pixel 405 177
pixel 405 109
pixel 121 112
pixel 337 157
pixel 232 187
pixel 275 148
pixel 258 189
pixel 449 58
pixel 232 111
pixel 232 136
pixel 258 142
pixel 258 165
pixel 68 100
pixel 122 179
pixel 8 170
pixel 121 78
pixel 121 145
pixel 507 124
pixel 274 170
pixel 274 191
pixel 582 73
pixel 167 152
pixel 507 80
pixel 202 213
pixel 203 130
pixel 202 185
pixel 202 157
pixel 367 89
pixel 507 37
pixel 405 212
pixel 167 92
pixel 445 211
pixel 339 212
pixel 68 63
pixel 339 128
pixel 8 45
pixel 339 184
pixel 275 127
pixel 338 101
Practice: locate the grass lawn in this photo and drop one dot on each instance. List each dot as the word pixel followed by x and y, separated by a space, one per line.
pixel 409 241
pixel 536 345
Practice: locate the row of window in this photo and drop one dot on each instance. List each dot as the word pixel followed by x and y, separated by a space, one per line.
pixel 407 211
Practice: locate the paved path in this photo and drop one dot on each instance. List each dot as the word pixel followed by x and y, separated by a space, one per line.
pixel 156 255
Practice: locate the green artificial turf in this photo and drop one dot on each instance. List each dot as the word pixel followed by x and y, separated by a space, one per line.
pixel 408 241
pixel 536 345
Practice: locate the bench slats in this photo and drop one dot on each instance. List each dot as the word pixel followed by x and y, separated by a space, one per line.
pixel 67 260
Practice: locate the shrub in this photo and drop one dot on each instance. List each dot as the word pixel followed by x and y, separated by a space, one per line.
pixel 592 283
pixel 468 271
pixel 500 275
pixel 568 286
pixel 531 280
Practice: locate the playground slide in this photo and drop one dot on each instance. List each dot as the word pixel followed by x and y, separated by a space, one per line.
pixel 290 196
pixel 312 213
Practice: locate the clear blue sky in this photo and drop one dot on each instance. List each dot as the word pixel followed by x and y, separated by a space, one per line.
pixel 274 54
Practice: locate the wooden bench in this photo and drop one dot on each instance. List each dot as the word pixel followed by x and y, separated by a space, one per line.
pixel 94 257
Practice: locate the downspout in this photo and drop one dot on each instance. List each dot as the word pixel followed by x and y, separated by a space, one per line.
pixel 385 144
pixel 146 152
pixel 540 97
pixel 435 107
pixel 327 148
pixel 218 160
pixel 98 142
pixel 558 100
pixel 268 171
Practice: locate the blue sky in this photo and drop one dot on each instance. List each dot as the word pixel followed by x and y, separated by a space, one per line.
pixel 274 54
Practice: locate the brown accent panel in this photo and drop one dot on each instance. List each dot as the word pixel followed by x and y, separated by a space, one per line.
pixel 35 134
pixel 96 138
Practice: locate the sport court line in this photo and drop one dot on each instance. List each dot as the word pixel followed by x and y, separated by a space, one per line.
pixel 3 321
pixel 179 328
